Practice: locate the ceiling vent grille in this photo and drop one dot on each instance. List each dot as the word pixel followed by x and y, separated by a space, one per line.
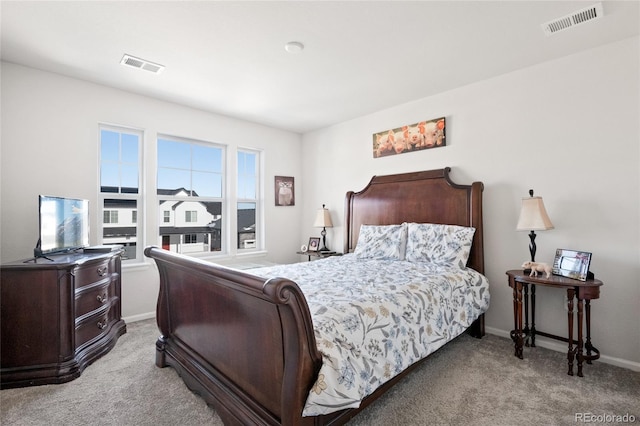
pixel 132 61
pixel 576 18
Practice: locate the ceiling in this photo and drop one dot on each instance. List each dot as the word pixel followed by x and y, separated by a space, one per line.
pixel 228 57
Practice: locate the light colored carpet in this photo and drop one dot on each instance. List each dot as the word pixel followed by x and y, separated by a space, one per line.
pixel 468 382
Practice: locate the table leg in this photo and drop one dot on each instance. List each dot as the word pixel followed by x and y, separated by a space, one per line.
pixel 588 345
pixel 516 333
pixel 533 315
pixel 525 331
pixel 570 352
pixel 579 350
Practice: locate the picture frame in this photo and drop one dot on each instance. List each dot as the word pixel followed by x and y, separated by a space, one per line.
pixel 284 189
pixel 572 264
pixel 414 137
pixel 314 244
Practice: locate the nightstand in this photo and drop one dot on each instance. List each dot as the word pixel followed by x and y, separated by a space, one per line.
pixel 581 291
pixel 318 254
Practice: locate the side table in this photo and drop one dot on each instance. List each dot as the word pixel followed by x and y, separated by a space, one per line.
pixel 318 254
pixel 582 291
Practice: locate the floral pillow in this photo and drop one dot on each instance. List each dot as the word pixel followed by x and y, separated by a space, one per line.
pixel 381 242
pixel 444 245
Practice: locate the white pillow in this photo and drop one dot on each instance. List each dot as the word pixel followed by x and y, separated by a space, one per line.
pixel 381 242
pixel 444 245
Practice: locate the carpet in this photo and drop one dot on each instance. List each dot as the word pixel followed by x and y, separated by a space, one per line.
pixel 467 382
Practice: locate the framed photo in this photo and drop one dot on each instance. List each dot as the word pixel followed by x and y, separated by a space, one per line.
pixel 572 264
pixel 285 191
pixel 410 138
pixel 314 244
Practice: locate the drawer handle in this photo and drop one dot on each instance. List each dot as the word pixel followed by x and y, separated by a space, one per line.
pixel 102 324
pixel 102 298
pixel 102 271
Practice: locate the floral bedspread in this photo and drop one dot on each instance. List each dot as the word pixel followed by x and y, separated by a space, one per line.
pixel 374 318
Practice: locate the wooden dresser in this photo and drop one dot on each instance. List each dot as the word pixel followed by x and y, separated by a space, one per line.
pixel 58 315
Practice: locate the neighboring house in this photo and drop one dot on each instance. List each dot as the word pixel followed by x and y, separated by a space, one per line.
pixel 186 226
pixel 196 226
pixel 189 226
pixel 246 228
pixel 119 219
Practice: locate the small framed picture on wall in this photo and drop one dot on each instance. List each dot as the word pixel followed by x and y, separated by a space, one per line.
pixel 285 191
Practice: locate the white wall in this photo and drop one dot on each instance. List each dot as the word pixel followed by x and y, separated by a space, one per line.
pixel 50 146
pixel 569 129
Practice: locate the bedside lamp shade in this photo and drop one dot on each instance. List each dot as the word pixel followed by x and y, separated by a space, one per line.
pixel 533 217
pixel 323 220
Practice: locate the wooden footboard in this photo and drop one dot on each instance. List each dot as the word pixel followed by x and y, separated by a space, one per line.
pixel 245 345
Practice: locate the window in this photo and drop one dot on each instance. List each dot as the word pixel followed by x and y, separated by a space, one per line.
pixel 120 194
pixel 190 192
pixel 247 199
pixel 191 216
pixel 110 216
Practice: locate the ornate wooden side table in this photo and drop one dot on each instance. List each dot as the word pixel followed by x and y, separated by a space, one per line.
pixel 581 291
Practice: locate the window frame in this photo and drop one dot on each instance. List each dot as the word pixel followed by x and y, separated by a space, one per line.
pixel 120 195
pixel 258 200
pixel 112 214
pixel 143 200
pixel 161 198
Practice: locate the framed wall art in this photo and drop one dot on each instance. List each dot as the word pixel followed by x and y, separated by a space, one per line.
pixel 410 138
pixel 572 264
pixel 285 191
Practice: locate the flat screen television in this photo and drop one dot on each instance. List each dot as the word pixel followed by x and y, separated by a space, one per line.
pixel 64 224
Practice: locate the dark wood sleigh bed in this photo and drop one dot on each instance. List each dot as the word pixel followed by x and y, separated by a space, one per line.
pixel 247 346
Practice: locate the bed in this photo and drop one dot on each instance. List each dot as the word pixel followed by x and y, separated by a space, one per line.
pixel 246 342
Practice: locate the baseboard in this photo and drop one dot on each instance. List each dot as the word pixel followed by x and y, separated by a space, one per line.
pixel 562 347
pixel 139 317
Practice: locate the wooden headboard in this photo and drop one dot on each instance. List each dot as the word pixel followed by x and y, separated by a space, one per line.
pixel 421 197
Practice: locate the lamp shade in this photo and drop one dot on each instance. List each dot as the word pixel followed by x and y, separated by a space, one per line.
pixel 533 216
pixel 323 219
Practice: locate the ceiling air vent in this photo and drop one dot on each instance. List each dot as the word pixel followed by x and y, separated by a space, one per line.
pixel 132 61
pixel 576 18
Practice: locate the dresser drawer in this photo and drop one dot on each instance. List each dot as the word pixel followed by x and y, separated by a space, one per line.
pixel 90 328
pixel 93 272
pixel 92 297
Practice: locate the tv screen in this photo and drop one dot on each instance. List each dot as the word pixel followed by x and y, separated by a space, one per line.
pixel 64 224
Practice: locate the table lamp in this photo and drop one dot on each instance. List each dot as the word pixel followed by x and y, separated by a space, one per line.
pixel 533 217
pixel 323 220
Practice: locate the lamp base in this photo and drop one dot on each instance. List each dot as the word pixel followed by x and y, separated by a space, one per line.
pixel 324 240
